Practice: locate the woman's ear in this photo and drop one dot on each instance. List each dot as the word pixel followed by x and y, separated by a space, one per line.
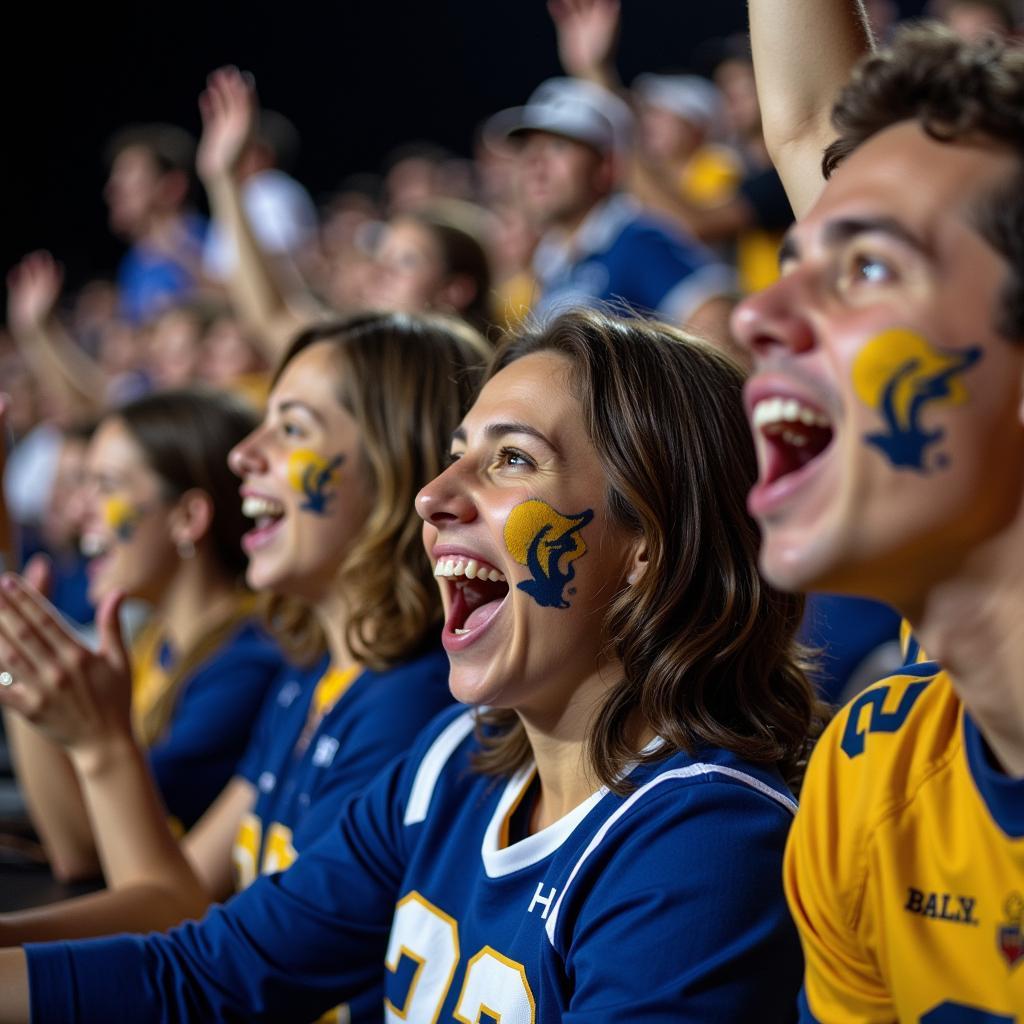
pixel 638 564
pixel 190 520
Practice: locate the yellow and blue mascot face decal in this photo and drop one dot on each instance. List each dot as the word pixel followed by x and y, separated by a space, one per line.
pixel 900 374
pixel 121 518
pixel 547 543
pixel 315 478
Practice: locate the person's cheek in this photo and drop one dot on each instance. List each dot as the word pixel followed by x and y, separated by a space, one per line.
pixel 905 380
pixel 315 478
pixel 547 543
pixel 121 517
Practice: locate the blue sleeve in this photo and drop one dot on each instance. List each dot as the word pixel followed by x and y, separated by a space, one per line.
pixel 212 723
pixel 708 852
pixel 668 274
pixel 287 948
pixel 396 708
pixel 806 1017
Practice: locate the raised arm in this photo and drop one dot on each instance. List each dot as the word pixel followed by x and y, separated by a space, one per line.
pixel 588 35
pixel 261 295
pixel 60 366
pixel 804 51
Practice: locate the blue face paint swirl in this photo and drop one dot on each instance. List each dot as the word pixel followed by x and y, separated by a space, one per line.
pixel 315 477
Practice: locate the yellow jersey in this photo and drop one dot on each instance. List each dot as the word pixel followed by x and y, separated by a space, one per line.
pixel 905 866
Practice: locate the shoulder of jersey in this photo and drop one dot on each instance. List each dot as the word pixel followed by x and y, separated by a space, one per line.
pixel 887 741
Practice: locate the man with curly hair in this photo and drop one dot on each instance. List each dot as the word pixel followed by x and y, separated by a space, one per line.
pixel 887 405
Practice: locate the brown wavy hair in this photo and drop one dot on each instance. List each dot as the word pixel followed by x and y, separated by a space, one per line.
pixel 956 91
pixel 406 381
pixel 707 647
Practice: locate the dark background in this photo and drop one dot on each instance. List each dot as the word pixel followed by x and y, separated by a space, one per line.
pixel 357 78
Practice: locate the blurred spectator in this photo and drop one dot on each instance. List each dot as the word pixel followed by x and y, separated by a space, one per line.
pixel 174 347
pixel 232 361
pixel 678 117
pixel 281 213
pixel 975 19
pixel 414 176
pixel 349 233
pixel 751 215
pixel 59 533
pixel 147 195
pixel 598 245
pixel 434 258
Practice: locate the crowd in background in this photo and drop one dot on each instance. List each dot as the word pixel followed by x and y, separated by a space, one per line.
pixel 215 299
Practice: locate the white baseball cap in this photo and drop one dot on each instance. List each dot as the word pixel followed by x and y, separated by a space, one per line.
pixel 690 97
pixel 573 108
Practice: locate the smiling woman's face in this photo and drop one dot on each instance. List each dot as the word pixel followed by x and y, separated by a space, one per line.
pixel 527 554
pixel 126 518
pixel 303 481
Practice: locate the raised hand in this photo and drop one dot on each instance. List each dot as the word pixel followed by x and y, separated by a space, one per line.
pixel 587 32
pixel 229 109
pixel 33 287
pixel 78 697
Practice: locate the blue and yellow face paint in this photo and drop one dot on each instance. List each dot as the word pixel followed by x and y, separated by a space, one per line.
pixel 900 374
pixel 315 477
pixel 547 543
pixel 121 518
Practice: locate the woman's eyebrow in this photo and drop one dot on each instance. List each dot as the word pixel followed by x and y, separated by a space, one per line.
pixel 292 404
pixel 494 431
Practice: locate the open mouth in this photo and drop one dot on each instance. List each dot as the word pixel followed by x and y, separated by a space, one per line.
pixel 791 434
pixel 266 514
pixel 476 591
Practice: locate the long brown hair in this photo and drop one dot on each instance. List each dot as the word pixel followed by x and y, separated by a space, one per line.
pixel 707 647
pixel 406 381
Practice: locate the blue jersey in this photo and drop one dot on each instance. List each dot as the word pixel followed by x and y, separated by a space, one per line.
pixel 662 905
pixel 303 775
pixel 214 716
pixel 633 261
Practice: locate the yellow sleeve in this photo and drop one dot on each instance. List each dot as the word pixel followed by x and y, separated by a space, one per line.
pixel 825 875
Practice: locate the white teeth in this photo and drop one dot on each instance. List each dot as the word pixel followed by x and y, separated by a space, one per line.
pixel 770 411
pixel 460 632
pixel 255 507
pixel 468 568
pixel 91 545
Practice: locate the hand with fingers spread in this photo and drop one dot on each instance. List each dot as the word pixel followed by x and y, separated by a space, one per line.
pixel 78 697
pixel 33 287
pixel 229 109
pixel 588 32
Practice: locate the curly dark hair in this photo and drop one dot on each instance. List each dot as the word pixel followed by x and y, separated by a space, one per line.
pixel 955 91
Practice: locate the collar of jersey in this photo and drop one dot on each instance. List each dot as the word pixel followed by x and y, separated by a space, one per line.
pixel 1002 795
pixel 500 861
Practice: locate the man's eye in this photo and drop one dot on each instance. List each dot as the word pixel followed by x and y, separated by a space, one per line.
pixel 291 430
pixel 452 457
pixel 872 270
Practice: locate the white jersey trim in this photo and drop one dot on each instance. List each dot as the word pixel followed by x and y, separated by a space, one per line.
pixel 674 773
pixel 433 764
pixel 500 861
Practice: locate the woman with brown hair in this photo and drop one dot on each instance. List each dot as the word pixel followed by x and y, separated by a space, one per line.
pixel 604 842
pixel 161 524
pixel 358 419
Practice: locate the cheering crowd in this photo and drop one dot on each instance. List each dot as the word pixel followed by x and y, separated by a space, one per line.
pixel 508 401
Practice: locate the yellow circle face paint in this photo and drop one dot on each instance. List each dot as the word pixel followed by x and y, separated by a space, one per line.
pixel 315 477
pixel 900 375
pixel 121 517
pixel 547 543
